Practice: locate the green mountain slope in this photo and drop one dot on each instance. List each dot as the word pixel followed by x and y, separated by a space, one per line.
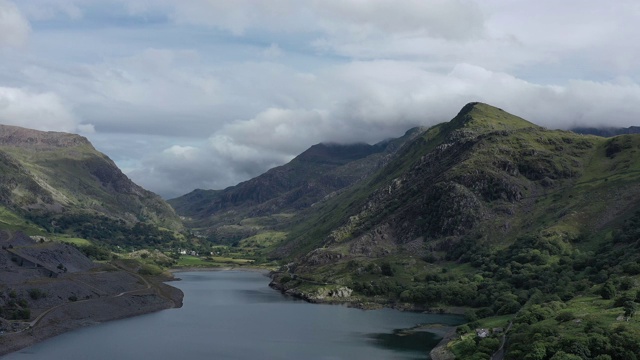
pixel 493 213
pixel 321 171
pixel 55 179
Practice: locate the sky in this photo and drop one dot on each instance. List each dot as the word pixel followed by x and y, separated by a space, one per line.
pixel 207 93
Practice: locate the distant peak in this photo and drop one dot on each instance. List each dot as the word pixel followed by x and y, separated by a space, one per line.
pixel 468 108
pixel 16 136
pixel 481 116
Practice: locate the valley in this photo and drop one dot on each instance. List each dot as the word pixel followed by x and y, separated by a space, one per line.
pixel 532 234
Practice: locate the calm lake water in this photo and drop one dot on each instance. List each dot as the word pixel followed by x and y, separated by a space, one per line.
pixel 235 315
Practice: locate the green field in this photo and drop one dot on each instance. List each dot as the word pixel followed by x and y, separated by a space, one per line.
pixel 10 221
pixel 73 241
pixel 215 261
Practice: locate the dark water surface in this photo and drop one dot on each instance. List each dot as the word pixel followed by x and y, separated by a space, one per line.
pixel 235 315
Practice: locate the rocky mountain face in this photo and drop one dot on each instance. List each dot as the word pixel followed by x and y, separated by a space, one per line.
pixel 321 171
pixel 491 212
pixel 44 175
pixel 476 173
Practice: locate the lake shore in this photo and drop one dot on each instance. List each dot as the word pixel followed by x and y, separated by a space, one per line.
pixel 75 315
pixel 219 268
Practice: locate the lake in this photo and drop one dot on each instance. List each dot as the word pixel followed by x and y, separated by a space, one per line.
pixel 235 315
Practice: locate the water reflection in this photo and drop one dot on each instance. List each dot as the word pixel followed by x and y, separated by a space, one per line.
pixel 414 343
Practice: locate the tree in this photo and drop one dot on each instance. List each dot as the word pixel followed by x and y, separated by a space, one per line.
pixel 608 291
pixel 561 355
pixel 630 308
pixel 386 269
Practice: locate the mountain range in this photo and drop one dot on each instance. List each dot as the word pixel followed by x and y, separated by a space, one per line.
pixel 534 233
pixel 488 212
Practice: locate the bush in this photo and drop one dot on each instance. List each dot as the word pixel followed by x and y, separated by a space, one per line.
pixel 36 294
pixel 386 269
pixel 608 291
pixel 565 316
pixel 463 329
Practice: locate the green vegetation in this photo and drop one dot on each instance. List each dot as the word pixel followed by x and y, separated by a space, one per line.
pixel 73 241
pixel 13 222
pixel 14 306
pixel 523 228
pixel 210 261
pixel 494 214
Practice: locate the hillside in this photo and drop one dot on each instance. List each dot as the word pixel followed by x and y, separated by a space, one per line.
pixel 54 182
pixel 495 214
pixel 273 197
pixel 48 288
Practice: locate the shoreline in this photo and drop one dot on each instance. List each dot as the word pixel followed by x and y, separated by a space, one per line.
pixel 75 315
pixel 446 332
pixel 161 296
pixel 219 268
pixel 441 351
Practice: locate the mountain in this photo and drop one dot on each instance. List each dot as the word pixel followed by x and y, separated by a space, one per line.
pixel 516 223
pixel 321 171
pixel 606 131
pixel 57 180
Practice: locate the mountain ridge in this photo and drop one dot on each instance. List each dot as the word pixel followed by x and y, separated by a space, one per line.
pixel 48 175
pixel 321 171
pixel 492 213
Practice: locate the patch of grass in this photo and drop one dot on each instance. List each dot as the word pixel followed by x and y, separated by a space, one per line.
pixel 192 261
pixel 150 269
pixel 495 321
pixel 226 260
pixel 73 241
pixel 11 221
pixel 263 240
pixel 215 261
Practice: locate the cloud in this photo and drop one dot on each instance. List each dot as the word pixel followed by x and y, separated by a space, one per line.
pixel 207 93
pixel 272 52
pixel 14 27
pixel 355 19
pixel 41 111
pixel 136 93
pixel 51 9
pixel 452 20
pixel 216 164
pixel 371 101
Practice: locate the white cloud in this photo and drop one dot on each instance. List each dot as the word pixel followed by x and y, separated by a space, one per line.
pixel 272 52
pixel 41 111
pixel 207 93
pixel 51 9
pixel 86 129
pixel 14 27
pixel 454 20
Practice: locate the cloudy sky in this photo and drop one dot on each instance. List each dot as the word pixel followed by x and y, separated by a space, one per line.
pixel 206 93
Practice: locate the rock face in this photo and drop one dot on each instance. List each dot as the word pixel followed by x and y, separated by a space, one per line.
pixel 49 173
pixel 481 180
pixel 322 171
